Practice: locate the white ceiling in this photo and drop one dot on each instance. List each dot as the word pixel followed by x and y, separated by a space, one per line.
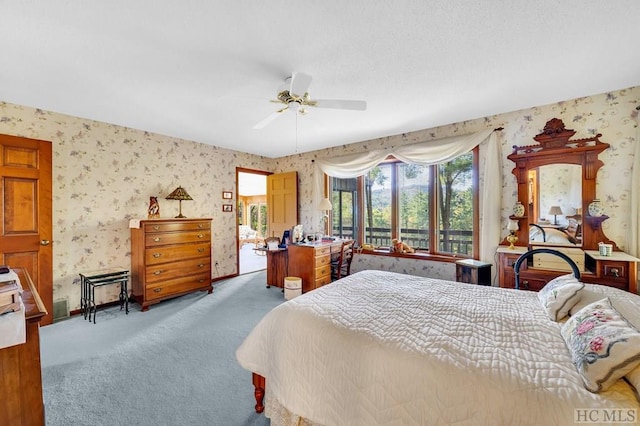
pixel 205 70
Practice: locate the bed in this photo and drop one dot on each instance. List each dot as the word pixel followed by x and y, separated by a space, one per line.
pixel 571 235
pixel 378 347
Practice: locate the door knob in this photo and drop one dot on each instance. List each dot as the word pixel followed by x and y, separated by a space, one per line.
pixel 44 242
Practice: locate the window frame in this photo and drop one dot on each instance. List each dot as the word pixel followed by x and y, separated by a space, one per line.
pixel 431 253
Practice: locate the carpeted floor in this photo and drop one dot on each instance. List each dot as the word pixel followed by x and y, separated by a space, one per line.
pixel 172 365
pixel 250 261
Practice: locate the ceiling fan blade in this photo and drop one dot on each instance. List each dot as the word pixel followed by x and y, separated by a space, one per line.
pixel 269 118
pixel 340 104
pixel 300 83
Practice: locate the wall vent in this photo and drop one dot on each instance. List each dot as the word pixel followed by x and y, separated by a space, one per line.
pixel 60 309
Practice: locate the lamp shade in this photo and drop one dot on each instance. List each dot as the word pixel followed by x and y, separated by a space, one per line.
pixel 179 194
pixel 325 204
pixel 512 225
pixel 555 210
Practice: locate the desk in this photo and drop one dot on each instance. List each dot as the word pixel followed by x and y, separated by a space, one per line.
pixel 312 262
pixel 21 378
pixel 309 261
pixel 277 261
pixel 90 280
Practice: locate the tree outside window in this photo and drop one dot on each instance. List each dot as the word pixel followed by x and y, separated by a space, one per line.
pixel 398 202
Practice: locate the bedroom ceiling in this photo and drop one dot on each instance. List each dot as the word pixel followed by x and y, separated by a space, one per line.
pixel 205 71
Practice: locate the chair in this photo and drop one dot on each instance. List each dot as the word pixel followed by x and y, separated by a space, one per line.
pixel 261 249
pixel 247 235
pixel 341 267
pixel 271 239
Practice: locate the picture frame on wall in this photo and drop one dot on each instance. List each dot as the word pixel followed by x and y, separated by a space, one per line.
pixel 227 207
pixel 227 195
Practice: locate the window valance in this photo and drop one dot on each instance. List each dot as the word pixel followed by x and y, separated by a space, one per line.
pixel 425 153
pixel 428 153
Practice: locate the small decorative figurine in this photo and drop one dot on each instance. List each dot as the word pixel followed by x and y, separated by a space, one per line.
pixel 400 247
pixel 154 208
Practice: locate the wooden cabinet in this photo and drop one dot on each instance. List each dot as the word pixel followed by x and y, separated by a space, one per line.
pixel 473 272
pixel 619 270
pixel 21 402
pixel 169 258
pixel 276 267
pixel 312 263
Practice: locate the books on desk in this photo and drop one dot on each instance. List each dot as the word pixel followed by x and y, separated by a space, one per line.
pixel 12 315
pixel 10 291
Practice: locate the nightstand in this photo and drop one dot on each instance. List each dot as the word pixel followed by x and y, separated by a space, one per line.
pixel 473 272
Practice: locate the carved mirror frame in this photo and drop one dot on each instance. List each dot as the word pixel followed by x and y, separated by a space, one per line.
pixel 555 147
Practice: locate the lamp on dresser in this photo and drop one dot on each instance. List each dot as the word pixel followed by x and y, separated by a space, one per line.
pixel 179 194
pixel 555 211
pixel 326 207
pixel 512 227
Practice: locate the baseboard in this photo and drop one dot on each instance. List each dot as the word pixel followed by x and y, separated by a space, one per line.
pixel 226 277
pixel 103 305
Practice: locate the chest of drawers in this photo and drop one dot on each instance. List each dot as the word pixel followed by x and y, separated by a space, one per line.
pixel 169 258
pixel 312 263
pixel 618 270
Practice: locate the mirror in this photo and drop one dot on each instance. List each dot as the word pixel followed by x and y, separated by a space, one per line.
pixel 555 188
pixel 558 172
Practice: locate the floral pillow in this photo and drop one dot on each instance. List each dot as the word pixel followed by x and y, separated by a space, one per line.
pixel 559 295
pixel 603 345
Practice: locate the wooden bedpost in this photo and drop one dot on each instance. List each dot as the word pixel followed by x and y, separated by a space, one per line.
pixel 258 384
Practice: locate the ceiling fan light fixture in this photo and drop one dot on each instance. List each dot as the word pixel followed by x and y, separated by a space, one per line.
pixel 294 106
pixel 294 95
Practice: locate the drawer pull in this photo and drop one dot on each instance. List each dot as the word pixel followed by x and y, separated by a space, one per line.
pixel 156 239
pixel 200 225
pixel 157 272
pixel 157 255
pixel 201 280
pixel 200 235
pixel 525 285
pixel 615 272
pixel 157 290
pixel 200 250
pixel 156 228
pixel 201 265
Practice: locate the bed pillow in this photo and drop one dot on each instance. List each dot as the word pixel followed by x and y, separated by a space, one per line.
pixel 603 345
pixel 559 295
pixel 633 377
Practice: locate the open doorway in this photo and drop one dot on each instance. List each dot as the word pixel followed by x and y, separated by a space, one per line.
pixel 251 218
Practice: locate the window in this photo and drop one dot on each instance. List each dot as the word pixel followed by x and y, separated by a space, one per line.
pixel 258 218
pixel 431 208
pixel 343 201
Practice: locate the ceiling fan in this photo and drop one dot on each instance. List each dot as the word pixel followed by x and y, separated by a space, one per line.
pixel 294 96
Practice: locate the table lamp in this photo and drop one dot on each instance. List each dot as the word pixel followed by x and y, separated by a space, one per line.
pixel 179 194
pixel 555 211
pixel 512 227
pixel 326 207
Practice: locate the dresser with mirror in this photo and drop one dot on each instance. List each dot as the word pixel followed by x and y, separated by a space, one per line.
pixel 556 180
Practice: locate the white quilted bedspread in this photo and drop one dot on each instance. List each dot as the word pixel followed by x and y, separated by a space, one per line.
pixel 380 348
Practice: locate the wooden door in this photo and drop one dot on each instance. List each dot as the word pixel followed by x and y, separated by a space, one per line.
pixel 25 212
pixel 282 202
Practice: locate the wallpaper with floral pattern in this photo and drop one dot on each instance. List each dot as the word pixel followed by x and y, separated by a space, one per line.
pixel 104 175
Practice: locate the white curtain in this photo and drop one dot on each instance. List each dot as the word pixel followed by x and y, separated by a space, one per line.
pixel 429 153
pixel 490 202
pixel 634 238
pixel 426 153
